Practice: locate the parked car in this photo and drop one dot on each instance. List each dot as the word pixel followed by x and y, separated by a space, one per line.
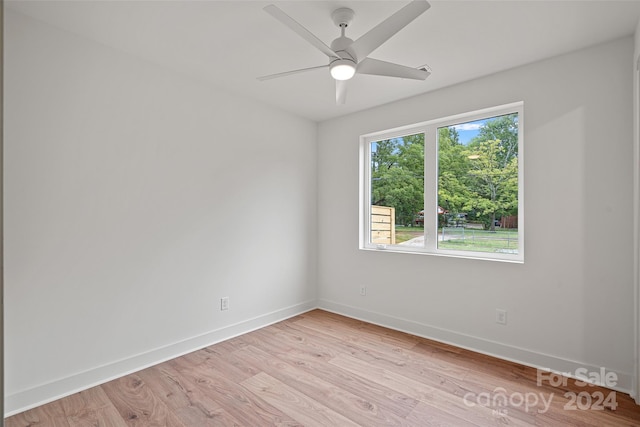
pixel 419 219
pixel 457 220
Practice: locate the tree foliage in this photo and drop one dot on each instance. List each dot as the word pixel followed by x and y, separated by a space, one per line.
pixel 397 176
pixel 505 130
pixel 494 169
pixel 495 187
pixel 479 179
pixel 453 164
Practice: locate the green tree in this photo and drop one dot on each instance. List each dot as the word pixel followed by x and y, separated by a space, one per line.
pixel 505 130
pixel 383 157
pixel 453 167
pixel 479 179
pixel 397 175
pixel 494 184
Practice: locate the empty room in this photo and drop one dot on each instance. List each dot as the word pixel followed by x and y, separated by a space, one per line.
pixel 321 213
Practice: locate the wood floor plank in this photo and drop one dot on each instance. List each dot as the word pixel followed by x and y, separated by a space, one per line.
pixel 185 399
pixel 320 369
pixel 439 372
pixel 296 337
pixel 334 396
pixel 50 415
pixel 91 407
pixel 426 415
pixel 559 415
pixel 315 363
pixel 224 361
pixel 306 410
pixel 472 361
pixel 429 395
pixel 411 364
pixel 249 409
pixel 343 332
pixel 386 335
pixel 305 356
pixel 394 355
pixel 137 404
pixel 332 345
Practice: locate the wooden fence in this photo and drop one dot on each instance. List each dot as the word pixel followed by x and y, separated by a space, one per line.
pixel 383 225
pixel 509 222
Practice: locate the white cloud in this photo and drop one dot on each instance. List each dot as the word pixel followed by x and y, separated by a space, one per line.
pixel 468 126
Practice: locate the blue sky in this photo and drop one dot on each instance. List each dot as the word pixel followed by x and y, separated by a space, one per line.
pixel 469 130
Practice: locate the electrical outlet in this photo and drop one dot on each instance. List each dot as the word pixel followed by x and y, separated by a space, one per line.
pixel 224 303
pixel 363 290
pixel 501 316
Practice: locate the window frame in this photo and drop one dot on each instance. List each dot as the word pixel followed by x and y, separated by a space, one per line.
pixel 430 130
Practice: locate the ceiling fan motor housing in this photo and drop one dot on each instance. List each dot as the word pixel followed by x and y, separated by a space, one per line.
pixel 342 46
pixel 345 67
pixel 342 17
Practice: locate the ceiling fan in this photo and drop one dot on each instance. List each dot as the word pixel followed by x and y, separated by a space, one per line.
pixel 348 57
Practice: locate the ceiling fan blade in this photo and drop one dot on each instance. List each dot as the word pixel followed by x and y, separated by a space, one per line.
pixel 287 73
pixel 387 28
pixel 277 13
pixel 341 91
pixel 383 68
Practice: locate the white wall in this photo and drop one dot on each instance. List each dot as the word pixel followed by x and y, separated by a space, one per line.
pixel 636 211
pixel 135 199
pixel 570 304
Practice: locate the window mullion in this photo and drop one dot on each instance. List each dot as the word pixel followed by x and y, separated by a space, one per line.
pixel 365 195
pixel 430 188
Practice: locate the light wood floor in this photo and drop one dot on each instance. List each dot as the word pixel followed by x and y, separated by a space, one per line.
pixel 321 369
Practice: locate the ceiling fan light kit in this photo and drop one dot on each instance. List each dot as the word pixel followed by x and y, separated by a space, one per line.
pixel 342 69
pixel 344 53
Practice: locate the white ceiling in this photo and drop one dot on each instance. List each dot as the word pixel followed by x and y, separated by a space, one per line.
pixel 229 43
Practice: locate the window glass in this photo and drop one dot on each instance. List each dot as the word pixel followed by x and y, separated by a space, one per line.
pixel 397 189
pixel 478 185
pixel 451 186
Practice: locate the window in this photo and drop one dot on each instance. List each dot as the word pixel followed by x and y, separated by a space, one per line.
pixel 451 186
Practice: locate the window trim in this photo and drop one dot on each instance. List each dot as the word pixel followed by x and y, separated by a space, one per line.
pixel 430 130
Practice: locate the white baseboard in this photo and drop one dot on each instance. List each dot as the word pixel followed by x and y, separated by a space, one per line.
pixel 491 348
pixel 45 393
pixel 36 396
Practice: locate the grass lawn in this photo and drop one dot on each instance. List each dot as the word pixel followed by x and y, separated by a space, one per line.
pixel 466 239
pixel 407 233
pixel 479 240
